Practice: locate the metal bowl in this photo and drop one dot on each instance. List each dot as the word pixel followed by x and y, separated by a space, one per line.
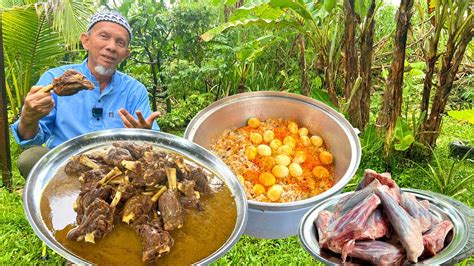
pixel 457 239
pixel 46 168
pixel 278 220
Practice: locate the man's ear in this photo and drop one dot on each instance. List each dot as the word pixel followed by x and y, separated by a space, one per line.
pixel 85 40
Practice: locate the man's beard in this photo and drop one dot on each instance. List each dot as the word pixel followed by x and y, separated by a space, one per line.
pixel 104 71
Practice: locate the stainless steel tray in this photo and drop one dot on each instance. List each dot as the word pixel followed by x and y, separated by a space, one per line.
pixel 439 207
pixel 47 167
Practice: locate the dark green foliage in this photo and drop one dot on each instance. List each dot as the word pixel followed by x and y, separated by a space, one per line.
pixel 184 111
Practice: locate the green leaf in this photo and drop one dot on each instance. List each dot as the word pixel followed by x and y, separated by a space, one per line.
pixel 329 5
pixel 462 184
pixel 298 7
pixel 262 11
pixel 384 73
pixel 403 135
pixel 464 115
pixel 418 65
pixel 322 96
pixel 405 143
pixel 360 8
pixel 210 34
pixel 318 82
pixel 401 129
pixel 369 138
pixel 414 72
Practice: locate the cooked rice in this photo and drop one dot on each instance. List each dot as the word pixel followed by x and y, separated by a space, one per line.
pixel 231 146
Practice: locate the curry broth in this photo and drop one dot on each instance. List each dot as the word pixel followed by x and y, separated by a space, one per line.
pixel 201 235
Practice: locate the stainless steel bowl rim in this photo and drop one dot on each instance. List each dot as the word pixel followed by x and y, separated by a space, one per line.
pixel 350 131
pixel 170 142
pixel 460 225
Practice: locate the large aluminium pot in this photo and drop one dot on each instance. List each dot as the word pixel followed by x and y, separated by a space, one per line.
pixel 278 220
pixel 49 165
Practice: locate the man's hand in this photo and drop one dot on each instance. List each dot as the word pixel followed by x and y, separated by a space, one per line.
pixel 130 122
pixel 37 105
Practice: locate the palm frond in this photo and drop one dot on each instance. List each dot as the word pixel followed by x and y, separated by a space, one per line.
pixel 30 44
pixel 70 19
pixel 11 3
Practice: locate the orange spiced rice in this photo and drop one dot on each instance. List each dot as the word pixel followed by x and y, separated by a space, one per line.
pixel 276 160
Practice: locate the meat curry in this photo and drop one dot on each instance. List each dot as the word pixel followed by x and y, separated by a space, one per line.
pixel 141 224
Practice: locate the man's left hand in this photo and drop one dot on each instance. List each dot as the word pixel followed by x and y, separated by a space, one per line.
pixel 130 122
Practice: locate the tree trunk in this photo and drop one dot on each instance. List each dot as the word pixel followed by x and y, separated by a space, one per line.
pixel 392 97
pixel 362 95
pixel 303 68
pixel 226 13
pixel 325 65
pixel 162 80
pixel 228 9
pixel 155 79
pixel 431 57
pixel 331 86
pixel 430 11
pixel 452 58
pixel 350 53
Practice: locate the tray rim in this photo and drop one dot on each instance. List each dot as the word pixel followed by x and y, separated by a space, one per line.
pixel 57 156
pixel 307 230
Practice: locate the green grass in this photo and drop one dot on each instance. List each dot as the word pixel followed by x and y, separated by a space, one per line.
pixel 19 244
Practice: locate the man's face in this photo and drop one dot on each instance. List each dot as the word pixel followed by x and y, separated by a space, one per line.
pixel 107 45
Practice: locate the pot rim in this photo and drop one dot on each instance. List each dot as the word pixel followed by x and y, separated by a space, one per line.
pixel 340 119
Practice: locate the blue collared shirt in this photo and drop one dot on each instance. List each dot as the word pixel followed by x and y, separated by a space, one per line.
pixel 72 115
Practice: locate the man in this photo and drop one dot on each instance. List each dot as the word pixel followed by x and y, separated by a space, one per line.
pixel 51 119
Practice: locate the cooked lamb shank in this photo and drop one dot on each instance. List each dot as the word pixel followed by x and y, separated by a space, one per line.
pixel 169 205
pixel 202 184
pixel 190 199
pixel 98 221
pixel 139 186
pixel 116 155
pixel 69 83
pixel 156 241
pixel 138 209
pixel 137 151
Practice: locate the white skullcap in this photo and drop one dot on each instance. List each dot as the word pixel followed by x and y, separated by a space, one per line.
pixel 111 16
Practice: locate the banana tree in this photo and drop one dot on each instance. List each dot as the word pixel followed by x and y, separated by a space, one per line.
pixel 312 22
pixel 35 36
pixel 456 20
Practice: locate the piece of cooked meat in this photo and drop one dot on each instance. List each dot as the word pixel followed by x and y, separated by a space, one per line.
pixel 116 155
pixel 169 205
pixel 202 183
pixel 156 241
pixel 136 150
pixel 136 207
pixel 69 83
pixel 87 197
pixel 97 222
pixel 190 199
